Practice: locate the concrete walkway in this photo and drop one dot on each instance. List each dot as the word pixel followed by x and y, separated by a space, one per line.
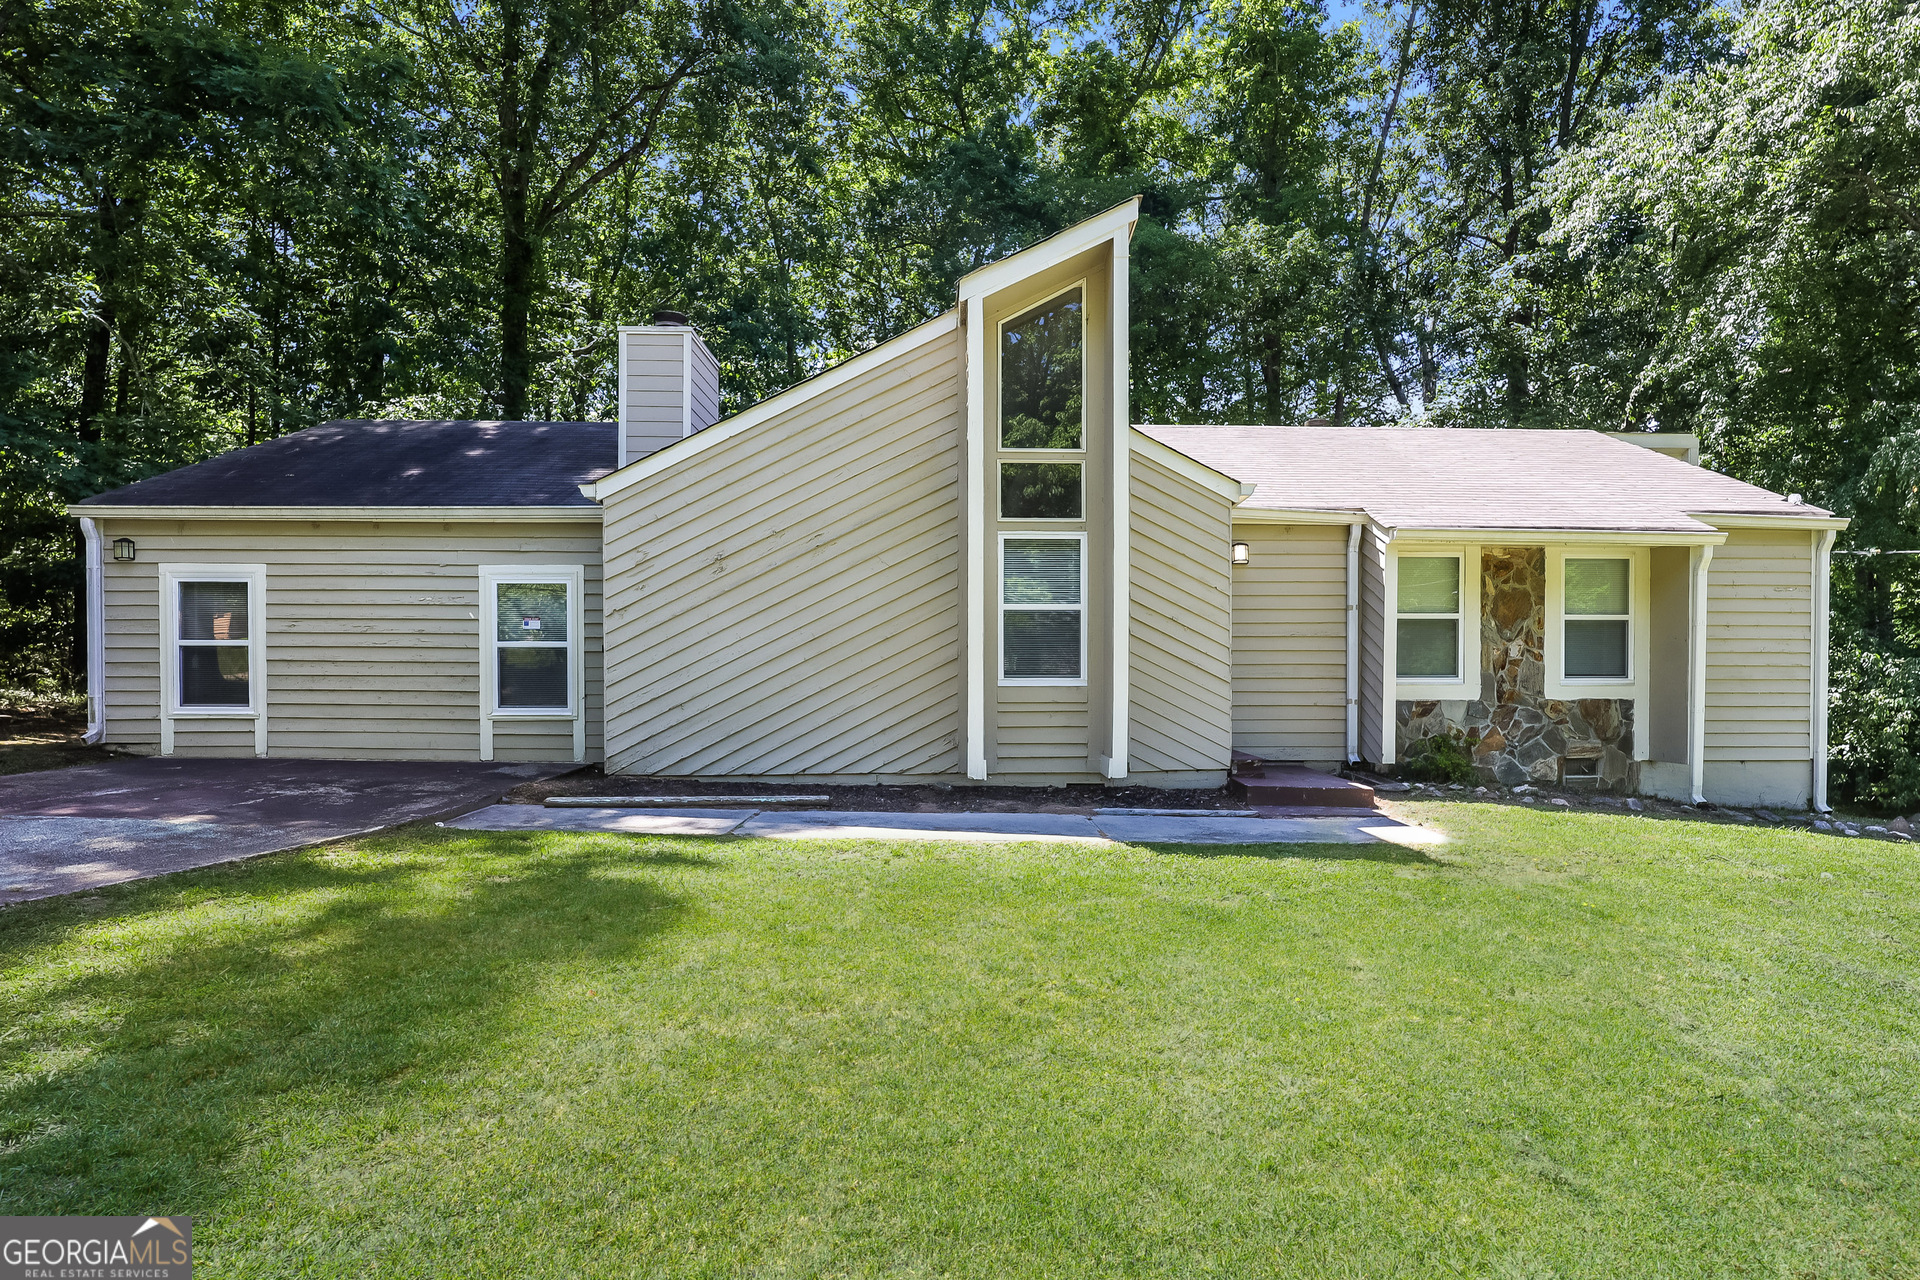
pixel 1064 828
pixel 71 829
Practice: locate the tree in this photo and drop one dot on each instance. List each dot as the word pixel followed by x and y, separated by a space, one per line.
pixel 551 99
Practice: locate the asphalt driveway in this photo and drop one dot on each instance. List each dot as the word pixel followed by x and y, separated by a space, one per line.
pixel 70 829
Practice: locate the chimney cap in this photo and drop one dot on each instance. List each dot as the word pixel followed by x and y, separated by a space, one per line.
pixel 1317 422
pixel 665 317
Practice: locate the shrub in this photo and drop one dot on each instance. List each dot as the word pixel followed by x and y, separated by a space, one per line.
pixel 1874 728
pixel 1442 758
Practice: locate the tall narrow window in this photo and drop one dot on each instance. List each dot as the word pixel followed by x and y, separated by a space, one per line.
pixel 1040 375
pixel 533 646
pixel 214 654
pixel 1042 610
pixel 1596 617
pixel 1428 635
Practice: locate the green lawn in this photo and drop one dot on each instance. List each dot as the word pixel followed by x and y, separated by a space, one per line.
pixel 1564 1045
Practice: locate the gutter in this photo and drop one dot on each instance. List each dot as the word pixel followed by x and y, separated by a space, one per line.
pixel 1353 643
pixel 96 637
pixel 491 515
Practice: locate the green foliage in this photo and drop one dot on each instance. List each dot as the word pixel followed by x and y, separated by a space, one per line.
pixel 1441 758
pixel 1874 728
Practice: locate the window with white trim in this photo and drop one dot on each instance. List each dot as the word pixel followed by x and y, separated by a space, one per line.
pixel 1041 491
pixel 1596 618
pixel 1043 633
pixel 1427 635
pixel 1042 391
pixel 213 643
pixel 534 645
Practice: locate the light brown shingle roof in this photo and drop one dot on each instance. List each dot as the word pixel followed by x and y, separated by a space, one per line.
pixel 1434 478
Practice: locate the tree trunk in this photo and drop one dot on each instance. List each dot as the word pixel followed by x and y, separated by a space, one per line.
pixel 518 264
pixel 95 369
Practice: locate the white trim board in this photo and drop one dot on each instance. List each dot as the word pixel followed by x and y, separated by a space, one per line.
pixel 1639 636
pixel 1084 608
pixel 780 402
pixel 1465 685
pixel 172 574
pixel 1115 760
pixel 105 511
pixel 1198 472
pixel 574 577
pixel 1113 224
pixel 1742 521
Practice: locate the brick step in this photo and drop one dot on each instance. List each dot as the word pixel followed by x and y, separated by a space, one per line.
pixel 1265 783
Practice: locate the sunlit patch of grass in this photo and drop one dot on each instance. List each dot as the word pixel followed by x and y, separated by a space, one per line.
pixel 1562 1044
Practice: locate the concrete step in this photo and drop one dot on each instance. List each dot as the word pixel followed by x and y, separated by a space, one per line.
pixel 1292 784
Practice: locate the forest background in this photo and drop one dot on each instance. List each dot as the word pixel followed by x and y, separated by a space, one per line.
pixel 223 220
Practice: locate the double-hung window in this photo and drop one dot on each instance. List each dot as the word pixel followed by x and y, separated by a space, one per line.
pixel 1043 631
pixel 1427 635
pixel 1597 618
pixel 213 637
pixel 532 625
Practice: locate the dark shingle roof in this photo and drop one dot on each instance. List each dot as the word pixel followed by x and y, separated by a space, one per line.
pixel 393 463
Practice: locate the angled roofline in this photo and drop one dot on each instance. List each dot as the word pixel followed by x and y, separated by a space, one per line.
pixel 1760 520
pixel 146 511
pixel 779 402
pixel 1118 221
pixel 1198 472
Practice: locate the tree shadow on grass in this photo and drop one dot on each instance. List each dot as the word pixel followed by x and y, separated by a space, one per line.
pixel 131 1081
pixel 1385 851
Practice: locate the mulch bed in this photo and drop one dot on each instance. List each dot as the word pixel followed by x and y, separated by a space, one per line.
pixel 906 798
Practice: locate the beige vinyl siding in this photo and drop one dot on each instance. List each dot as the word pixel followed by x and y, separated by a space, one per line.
pixel 1181 625
pixel 1760 646
pixel 655 391
pixel 1043 733
pixel 1373 662
pixel 706 387
pixel 372 635
pixel 787 602
pixel 1290 643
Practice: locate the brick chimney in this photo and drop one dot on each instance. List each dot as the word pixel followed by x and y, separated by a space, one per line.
pixel 669 385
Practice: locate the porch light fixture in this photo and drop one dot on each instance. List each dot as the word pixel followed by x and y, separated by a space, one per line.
pixel 1242 553
pixel 123 548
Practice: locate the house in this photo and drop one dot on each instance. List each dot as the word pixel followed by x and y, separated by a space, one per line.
pixel 953 557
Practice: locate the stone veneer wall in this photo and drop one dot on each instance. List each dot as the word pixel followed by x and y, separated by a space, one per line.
pixel 1517 733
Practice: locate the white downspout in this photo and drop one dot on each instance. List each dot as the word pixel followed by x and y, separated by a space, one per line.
pixel 96 594
pixel 1822 567
pixel 1697 677
pixel 1353 644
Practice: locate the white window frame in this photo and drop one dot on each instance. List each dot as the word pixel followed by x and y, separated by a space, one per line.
pixel 171 709
pixel 1000 388
pixel 1553 648
pixel 1000 593
pixel 1466 635
pixel 492 576
pixel 1022 460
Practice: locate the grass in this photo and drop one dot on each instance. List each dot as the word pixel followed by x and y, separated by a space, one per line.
pixel 1565 1045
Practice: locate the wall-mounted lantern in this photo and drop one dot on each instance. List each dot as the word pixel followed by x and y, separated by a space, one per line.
pixel 123 548
pixel 1242 553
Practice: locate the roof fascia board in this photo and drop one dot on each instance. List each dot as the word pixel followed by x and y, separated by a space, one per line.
pixel 1660 441
pixel 1117 222
pixel 1542 537
pixel 780 402
pixel 104 511
pixel 1719 521
pixel 1299 515
pixel 1200 473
